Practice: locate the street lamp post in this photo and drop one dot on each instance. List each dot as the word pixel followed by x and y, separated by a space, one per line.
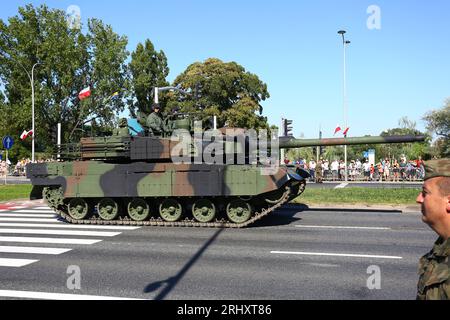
pixel 32 102
pixel 32 110
pixel 345 107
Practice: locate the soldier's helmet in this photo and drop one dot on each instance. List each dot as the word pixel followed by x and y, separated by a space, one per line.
pixel 156 106
pixel 123 122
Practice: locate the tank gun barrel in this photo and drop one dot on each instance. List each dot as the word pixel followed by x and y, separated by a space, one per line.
pixel 290 142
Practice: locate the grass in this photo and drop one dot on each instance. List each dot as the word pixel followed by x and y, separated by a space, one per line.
pixel 394 196
pixel 16 191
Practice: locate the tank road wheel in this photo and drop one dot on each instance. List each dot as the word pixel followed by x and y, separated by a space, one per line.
pixel 170 210
pixel 239 211
pixel 53 196
pixel 138 209
pixel 108 209
pixel 78 208
pixel 204 210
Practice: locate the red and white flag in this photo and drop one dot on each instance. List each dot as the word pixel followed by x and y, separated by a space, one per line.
pixel 86 92
pixel 345 131
pixel 26 134
pixel 338 128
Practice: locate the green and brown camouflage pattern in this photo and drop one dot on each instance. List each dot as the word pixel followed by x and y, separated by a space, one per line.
pixel 93 179
pixel 101 176
pixel 434 273
pixel 437 168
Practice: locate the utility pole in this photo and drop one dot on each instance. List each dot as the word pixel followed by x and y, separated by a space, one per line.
pixel 345 107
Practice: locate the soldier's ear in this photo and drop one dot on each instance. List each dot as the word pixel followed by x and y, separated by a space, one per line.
pixel 448 205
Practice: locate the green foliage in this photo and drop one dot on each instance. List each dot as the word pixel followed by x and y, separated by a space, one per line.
pixel 438 122
pixel 148 69
pixel 303 153
pixel 68 62
pixel 410 150
pixel 355 195
pixel 225 90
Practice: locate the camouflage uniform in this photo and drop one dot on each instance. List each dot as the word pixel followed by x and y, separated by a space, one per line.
pixel 123 128
pixel 319 175
pixel 155 124
pixel 434 270
pixel 434 267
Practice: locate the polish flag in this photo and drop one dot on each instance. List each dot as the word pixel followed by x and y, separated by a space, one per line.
pixel 338 128
pixel 345 131
pixel 86 92
pixel 26 134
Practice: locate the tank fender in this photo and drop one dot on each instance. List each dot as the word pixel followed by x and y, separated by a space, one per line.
pixel 297 174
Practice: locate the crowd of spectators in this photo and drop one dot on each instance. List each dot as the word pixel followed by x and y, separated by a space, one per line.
pixel 395 170
pixel 18 169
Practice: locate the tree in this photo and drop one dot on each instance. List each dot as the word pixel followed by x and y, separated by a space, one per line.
pixel 438 122
pixel 225 90
pixel 69 61
pixel 410 150
pixel 148 69
pixel 300 153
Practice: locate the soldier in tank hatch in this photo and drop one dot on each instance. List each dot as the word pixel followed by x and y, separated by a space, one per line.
pixel 155 122
pixel 434 267
pixel 122 129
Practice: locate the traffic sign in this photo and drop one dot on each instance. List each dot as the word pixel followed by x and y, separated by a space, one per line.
pixel 8 142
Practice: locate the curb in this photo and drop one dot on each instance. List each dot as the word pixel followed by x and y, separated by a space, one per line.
pixel 364 207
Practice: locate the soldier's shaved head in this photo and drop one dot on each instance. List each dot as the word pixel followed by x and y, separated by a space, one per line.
pixel 444 185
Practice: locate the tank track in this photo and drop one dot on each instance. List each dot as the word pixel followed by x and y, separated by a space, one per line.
pixel 159 222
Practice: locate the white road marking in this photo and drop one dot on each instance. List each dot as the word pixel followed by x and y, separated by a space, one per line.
pixel 324 265
pixel 42 208
pixel 15 262
pixel 56 296
pixel 37 250
pixel 66 226
pixel 34 211
pixel 342 227
pixel 336 254
pixel 27 215
pixel 49 240
pixel 61 232
pixel 29 219
pixel 342 185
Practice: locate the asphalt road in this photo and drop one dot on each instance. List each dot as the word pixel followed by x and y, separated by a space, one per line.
pixel 291 255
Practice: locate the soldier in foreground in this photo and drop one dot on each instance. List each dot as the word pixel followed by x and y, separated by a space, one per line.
pixel 434 267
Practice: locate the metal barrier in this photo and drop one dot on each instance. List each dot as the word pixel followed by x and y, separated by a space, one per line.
pixel 414 174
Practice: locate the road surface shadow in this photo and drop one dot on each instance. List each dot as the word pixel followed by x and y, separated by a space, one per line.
pixel 299 207
pixel 279 217
pixel 171 282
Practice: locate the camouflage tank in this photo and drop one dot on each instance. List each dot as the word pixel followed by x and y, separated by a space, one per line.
pixel 125 179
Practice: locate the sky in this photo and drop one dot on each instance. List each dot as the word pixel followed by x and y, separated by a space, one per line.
pixel 397 64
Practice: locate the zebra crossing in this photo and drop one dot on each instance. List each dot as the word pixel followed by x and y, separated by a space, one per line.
pixel 30 233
